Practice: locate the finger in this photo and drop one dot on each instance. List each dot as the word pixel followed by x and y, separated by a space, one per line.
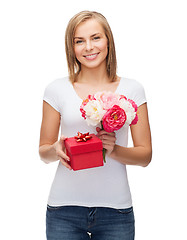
pixel 108 144
pixel 110 138
pixel 65 164
pixel 103 132
pixel 62 154
pixel 108 147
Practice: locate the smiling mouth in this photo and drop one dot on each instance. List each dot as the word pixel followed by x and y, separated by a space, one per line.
pixel 91 56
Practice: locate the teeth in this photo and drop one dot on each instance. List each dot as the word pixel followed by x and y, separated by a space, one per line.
pixel 91 56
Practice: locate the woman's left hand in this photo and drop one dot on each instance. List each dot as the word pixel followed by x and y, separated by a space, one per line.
pixel 108 139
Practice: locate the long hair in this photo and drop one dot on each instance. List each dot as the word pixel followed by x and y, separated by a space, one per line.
pixel 74 66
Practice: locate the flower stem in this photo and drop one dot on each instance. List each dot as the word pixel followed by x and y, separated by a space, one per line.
pixel 104 153
pixel 104 150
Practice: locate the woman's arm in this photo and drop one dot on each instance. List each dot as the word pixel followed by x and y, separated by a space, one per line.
pixel 50 148
pixel 141 153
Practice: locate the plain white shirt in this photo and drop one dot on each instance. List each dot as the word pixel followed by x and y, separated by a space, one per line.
pixel 105 186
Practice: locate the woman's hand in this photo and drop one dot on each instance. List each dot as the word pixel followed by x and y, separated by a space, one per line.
pixel 108 139
pixel 60 149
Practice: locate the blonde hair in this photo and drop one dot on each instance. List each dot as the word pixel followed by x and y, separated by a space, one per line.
pixel 74 66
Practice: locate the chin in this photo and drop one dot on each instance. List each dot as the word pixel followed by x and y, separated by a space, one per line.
pixel 94 64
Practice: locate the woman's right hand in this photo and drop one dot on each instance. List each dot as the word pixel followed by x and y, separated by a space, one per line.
pixel 60 149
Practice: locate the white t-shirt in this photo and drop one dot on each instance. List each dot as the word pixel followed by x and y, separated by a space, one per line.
pixel 105 186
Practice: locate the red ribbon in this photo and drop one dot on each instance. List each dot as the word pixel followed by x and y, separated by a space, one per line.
pixel 82 137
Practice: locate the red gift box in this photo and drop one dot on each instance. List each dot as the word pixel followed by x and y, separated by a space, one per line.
pixel 84 154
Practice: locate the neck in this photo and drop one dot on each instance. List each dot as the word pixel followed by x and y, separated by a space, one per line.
pixel 93 76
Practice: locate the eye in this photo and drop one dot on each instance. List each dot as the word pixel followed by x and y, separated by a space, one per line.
pixel 78 41
pixel 96 38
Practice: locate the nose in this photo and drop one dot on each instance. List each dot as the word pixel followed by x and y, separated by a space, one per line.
pixel 89 45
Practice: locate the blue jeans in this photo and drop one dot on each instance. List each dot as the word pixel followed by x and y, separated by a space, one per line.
pixel 84 223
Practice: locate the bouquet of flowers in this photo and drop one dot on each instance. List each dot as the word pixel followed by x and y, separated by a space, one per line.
pixel 111 109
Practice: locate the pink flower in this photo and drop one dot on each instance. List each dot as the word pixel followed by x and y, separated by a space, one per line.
pixel 122 96
pixel 114 119
pixel 136 109
pixel 91 97
pixel 133 104
pixel 107 99
pixel 135 120
pixel 82 107
pixel 85 101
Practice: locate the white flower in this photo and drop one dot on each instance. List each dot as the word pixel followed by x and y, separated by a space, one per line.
pixel 129 110
pixel 94 112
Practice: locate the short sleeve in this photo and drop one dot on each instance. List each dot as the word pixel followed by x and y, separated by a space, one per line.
pixel 51 96
pixel 138 94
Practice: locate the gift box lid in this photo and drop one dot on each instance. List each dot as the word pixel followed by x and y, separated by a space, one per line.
pixel 93 144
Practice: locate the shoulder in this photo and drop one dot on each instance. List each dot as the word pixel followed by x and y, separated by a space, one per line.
pixel 131 84
pixel 57 86
pixel 133 89
pixel 58 83
pixel 56 91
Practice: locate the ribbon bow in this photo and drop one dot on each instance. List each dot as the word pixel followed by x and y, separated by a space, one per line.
pixel 82 137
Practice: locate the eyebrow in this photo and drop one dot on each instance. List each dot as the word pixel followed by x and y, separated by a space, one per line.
pixel 90 36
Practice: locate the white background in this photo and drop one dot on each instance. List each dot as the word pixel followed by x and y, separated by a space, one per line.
pixel 151 47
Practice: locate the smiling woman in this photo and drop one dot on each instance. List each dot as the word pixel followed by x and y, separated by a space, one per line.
pixel 96 200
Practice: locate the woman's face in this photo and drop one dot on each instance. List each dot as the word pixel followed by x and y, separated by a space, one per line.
pixel 90 44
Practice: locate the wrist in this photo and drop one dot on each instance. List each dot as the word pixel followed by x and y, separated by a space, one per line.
pixel 54 151
pixel 113 152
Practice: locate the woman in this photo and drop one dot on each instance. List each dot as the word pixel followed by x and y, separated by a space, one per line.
pixel 92 203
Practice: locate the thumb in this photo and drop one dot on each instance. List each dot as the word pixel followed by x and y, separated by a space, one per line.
pixel 61 141
pixel 62 138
